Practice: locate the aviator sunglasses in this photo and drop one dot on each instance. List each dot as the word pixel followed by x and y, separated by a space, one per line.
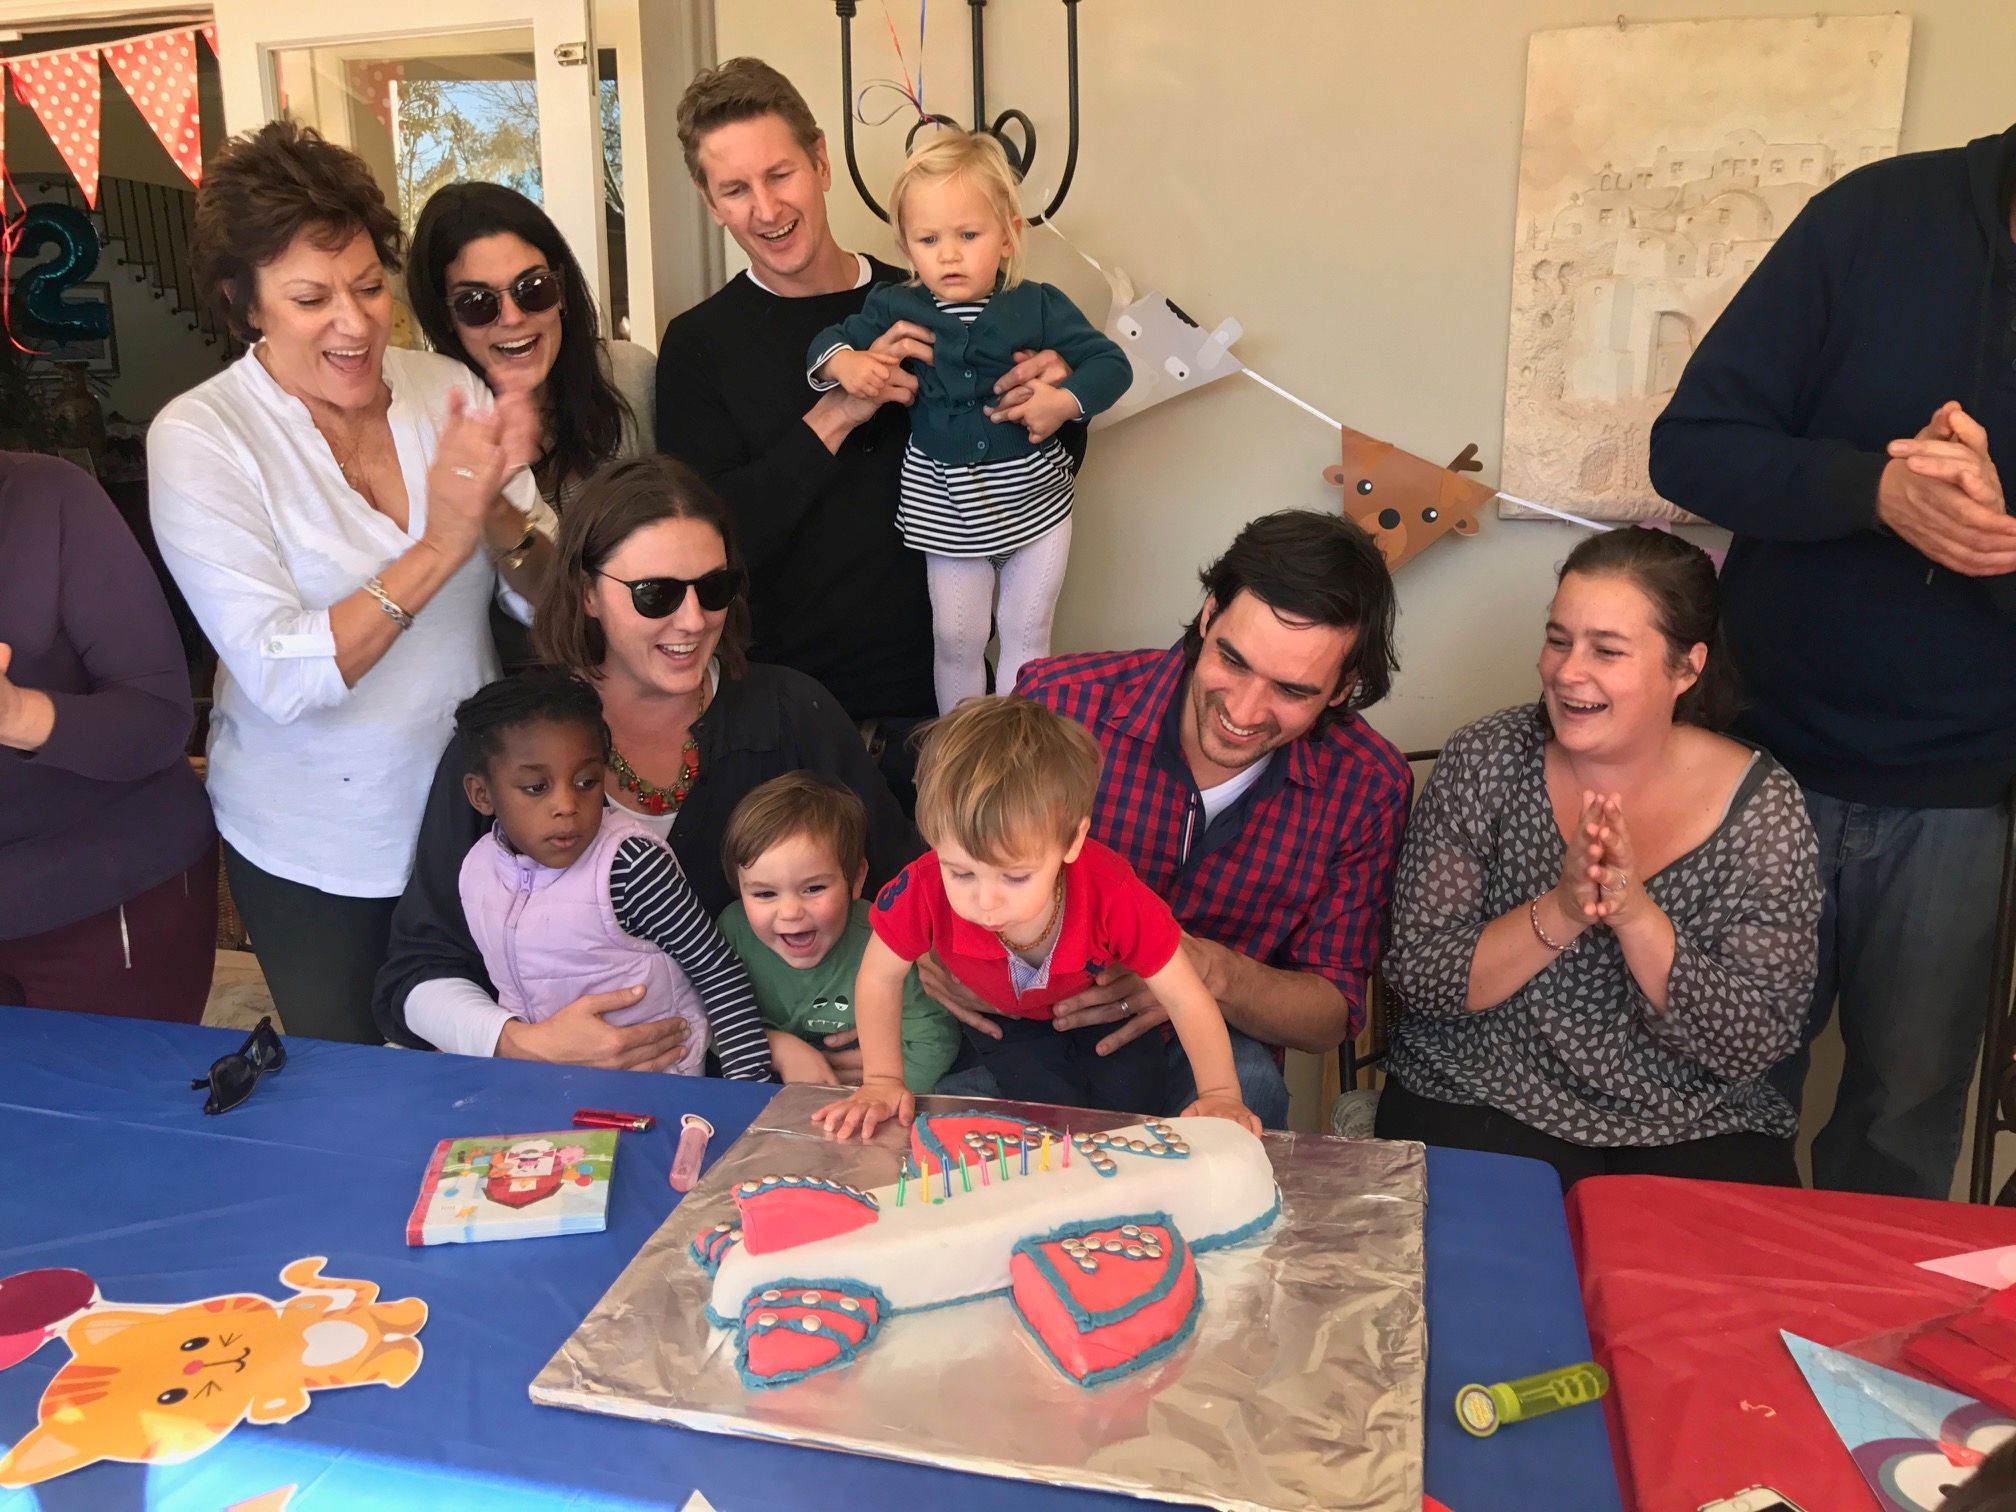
pixel 659 597
pixel 535 293
pixel 232 1077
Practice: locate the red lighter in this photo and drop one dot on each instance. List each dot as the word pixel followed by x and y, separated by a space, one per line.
pixel 608 1118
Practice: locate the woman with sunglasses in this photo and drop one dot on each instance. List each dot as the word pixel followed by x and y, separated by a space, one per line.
pixel 649 602
pixel 493 284
pixel 339 515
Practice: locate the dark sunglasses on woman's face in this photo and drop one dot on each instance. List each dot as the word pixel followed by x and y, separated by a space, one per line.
pixel 659 597
pixel 232 1077
pixel 535 293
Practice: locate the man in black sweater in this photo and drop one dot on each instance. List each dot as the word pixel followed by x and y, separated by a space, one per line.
pixel 811 478
pixel 1851 418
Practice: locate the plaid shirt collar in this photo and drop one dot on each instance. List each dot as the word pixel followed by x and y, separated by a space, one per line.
pixel 1148 708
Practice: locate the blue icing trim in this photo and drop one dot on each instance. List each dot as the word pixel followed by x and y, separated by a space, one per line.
pixel 860 1291
pixel 934 1147
pixel 1141 1361
pixel 744 1190
pixel 1091 1148
pixel 709 1245
pixel 1242 1233
pixel 1091 1322
pixel 843 1356
pixel 836 1290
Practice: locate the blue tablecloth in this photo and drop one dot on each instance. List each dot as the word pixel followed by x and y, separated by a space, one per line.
pixel 113 1169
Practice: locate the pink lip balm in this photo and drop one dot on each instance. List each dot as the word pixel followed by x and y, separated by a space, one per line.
pixel 694 1132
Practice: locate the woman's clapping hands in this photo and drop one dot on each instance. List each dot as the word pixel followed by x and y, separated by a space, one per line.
pixel 1599 873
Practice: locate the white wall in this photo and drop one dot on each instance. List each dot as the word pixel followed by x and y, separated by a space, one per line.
pixel 1340 176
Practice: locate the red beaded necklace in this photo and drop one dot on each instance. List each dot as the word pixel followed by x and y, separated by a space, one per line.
pixel 651 798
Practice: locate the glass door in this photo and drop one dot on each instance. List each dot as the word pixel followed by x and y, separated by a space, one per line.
pixel 503 90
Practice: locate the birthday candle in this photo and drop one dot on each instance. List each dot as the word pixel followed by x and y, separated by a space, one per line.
pixel 1025 1152
pixel 901 1167
pixel 983 1170
pixel 1066 1139
pixel 966 1169
pixel 1046 1152
pixel 945 1170
pixel 1001 1150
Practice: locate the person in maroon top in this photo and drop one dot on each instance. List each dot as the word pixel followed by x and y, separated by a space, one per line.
pixel 108 859
pixel 1243 785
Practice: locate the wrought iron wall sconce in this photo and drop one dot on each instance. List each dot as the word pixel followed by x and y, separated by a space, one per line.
pixel 1021 155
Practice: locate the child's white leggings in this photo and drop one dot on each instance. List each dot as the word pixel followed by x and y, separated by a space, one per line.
pixel 963 612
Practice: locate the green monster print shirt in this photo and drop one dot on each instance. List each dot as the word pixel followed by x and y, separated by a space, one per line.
pixel 819 1000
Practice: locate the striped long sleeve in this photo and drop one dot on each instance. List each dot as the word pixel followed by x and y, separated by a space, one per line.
pixel 653 902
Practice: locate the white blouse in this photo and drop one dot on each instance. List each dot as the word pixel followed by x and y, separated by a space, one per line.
pixel 311 780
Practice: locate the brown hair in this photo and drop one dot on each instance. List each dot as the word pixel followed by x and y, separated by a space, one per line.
pixel 613 505
pixel 1678 578
pixel 978 159
pixel 262 190
pixel 798 803
pixel 999 772
pixel 740 90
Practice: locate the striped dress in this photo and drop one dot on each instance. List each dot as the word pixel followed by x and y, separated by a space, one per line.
pixel 987 509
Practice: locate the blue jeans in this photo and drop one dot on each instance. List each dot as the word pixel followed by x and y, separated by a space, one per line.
pixel 1906 944
pixel 1261 1084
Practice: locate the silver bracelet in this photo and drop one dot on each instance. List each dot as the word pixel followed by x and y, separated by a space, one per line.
pixel 376 588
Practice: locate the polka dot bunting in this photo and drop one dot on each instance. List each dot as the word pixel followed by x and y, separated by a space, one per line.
pixel 159 73
pixel 372 83
pixel 63 90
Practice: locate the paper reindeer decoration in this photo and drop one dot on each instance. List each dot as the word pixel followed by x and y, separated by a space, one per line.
pixel 1405 502
pixel 1171 353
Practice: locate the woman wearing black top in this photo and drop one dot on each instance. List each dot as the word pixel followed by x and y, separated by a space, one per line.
pixel 647 600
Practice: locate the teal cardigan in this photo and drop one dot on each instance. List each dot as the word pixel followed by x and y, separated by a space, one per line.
pixel 946 422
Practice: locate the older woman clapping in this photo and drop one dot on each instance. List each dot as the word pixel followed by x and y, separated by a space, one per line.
pixel 1605 920
pixel 339 516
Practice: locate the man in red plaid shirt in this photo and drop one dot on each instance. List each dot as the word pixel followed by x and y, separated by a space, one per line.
pixel 1242 785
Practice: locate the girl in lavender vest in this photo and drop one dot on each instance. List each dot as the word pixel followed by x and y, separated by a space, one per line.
pixel 566 897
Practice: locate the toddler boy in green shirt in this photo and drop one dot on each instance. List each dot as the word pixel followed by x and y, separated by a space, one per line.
pixel 796 848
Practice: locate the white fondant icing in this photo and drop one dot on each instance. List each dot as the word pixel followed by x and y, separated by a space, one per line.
pixel 928 1253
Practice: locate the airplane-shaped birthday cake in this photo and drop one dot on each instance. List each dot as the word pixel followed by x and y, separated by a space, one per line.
pixel 1092 1237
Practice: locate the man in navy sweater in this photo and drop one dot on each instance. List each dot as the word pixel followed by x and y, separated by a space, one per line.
pixel 811 477
pixel 1851 418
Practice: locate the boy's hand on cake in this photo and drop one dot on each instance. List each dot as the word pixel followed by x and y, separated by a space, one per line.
pixel 871 1105
pixel 1041 412
pixel 1224 1105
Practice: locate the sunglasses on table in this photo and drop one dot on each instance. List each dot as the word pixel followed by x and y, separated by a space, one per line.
pixel 658 597
pixel 478 305
pixel 232 1077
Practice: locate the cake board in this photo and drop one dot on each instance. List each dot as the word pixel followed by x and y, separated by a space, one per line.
pixel 1300 1389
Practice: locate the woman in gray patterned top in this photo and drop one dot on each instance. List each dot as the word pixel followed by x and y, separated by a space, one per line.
pixel 1605 921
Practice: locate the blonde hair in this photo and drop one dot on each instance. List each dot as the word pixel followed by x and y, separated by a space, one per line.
pixel 997 774
pixel 978 158
pixel 798 803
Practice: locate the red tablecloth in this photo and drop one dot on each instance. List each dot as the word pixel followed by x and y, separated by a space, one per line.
pixel 1686 1284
